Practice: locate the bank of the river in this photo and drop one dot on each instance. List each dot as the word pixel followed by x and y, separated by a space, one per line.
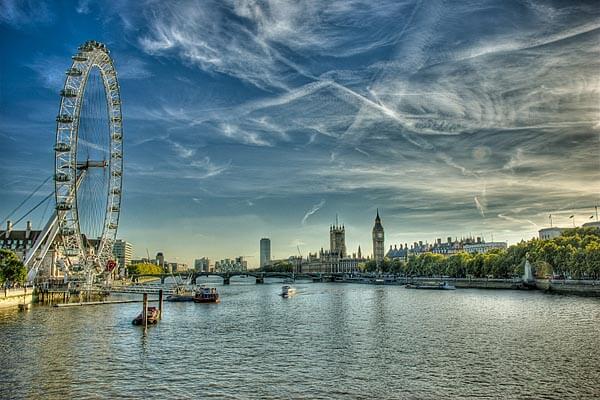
pixel 11 298
pixel 572 287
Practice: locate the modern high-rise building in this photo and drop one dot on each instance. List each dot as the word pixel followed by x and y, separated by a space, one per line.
pixel 160 260
pixel 123 252
pixel 265 252
pixel 202 264
pixel 378 240
pixel 337 239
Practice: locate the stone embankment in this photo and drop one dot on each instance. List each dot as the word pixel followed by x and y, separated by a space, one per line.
pixel 573 287
pixel 570 286
pixel 11 298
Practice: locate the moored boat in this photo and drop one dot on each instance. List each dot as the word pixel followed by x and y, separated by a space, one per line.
pixel 439 286
pixel 181 294
pixel 207 295
pixel 152 316
pixel 287 291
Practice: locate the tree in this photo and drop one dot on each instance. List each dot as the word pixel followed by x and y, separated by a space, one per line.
pixel 281 266
pixel 145 269
pixel 592 259
pixel 12 269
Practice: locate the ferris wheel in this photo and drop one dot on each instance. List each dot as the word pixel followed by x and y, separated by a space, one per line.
pixel 89 161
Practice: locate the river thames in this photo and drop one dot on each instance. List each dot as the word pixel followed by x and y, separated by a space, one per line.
pixel 327 341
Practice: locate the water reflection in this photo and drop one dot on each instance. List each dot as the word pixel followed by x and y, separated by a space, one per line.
pixel 328 341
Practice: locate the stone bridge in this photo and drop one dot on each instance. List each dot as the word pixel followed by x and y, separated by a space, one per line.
pixel 260 276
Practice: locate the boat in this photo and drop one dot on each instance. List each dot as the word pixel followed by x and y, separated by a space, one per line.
pixel 152 316
pixel 207 295
pixel 287 291
pixel 379 282
pixel 439 286
pixel 181 294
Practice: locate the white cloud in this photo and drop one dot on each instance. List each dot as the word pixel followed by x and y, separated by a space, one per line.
pixel 25 13
pixel 313 210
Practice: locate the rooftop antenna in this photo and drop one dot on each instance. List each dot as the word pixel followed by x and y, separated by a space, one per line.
pixel 550 217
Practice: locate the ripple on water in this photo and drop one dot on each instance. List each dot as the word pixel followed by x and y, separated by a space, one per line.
pixel 328 341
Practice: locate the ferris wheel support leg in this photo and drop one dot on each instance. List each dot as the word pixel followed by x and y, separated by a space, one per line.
pixel 34 259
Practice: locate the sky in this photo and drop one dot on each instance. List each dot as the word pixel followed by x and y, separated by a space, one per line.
pixel 249 119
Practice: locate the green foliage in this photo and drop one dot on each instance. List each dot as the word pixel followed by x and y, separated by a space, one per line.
pixel 12 269
pixel 575 254
pixel 145 269
pixel 281 266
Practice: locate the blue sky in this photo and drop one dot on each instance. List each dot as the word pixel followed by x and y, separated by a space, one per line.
pixel 246 119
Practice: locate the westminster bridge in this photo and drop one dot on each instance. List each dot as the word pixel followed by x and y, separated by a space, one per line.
pixel 226 276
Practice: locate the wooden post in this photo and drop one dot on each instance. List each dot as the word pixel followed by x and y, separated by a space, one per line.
pixel 160 303
pixel 145 311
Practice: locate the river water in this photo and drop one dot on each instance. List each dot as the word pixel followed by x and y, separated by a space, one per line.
pixel 327 341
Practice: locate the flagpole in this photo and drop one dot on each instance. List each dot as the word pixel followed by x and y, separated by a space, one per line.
pixel 550 217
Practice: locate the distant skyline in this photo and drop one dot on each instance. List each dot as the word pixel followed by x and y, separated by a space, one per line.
pixel 247 119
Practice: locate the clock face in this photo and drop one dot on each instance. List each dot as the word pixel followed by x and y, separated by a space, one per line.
pixel 379 235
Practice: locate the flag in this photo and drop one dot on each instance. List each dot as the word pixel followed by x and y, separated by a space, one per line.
pixel 591 217
pixel 571 216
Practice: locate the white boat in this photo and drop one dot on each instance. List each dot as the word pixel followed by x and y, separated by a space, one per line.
pixel 181 294
pixel 439 286
pixel 287 291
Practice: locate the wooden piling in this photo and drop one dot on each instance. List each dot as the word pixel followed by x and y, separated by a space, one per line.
pixel 145 311
pixel 160 303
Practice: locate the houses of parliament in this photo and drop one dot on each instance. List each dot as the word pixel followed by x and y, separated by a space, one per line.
pixel 337 259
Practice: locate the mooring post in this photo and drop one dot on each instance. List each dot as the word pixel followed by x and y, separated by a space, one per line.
pixel 160 303
pixel 145 311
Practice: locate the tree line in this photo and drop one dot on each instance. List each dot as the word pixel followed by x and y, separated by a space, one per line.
pixel 575 254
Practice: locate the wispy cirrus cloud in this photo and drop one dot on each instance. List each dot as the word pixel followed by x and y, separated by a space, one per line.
pixel 21 14
pixel 312 211
pixel 430 111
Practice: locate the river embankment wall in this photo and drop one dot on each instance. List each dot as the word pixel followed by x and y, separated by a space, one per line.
pixel 10 298
pixel 573 287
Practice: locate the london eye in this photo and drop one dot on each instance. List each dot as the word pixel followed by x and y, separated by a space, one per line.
pixel 88 168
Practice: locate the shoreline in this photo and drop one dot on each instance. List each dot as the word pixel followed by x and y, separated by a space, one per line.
pixel 584 288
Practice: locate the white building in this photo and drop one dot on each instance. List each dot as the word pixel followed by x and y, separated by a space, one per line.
pixel 484 247
pixel 594 224
pixel 123 252
pixel 203 265
pixel 550 233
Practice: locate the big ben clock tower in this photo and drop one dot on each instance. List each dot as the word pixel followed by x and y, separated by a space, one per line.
pixel 378 245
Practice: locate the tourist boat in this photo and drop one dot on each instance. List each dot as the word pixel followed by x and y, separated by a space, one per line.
pixel 207 295
pixel 439 286
pixel 152 316
pixel 287 291
pixel 181 294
